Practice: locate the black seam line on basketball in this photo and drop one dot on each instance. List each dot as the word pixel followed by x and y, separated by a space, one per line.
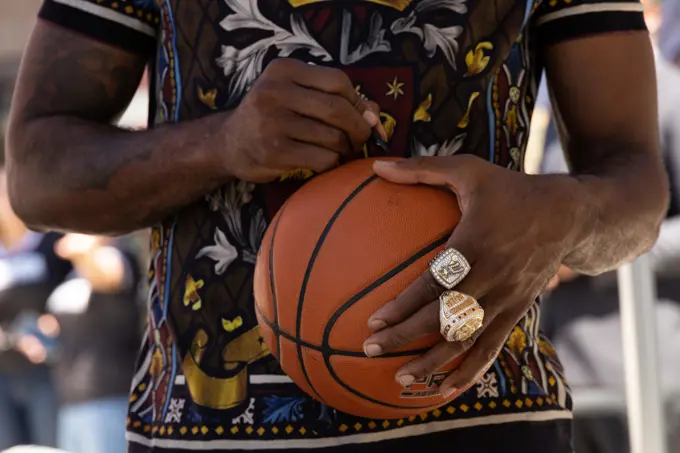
pixel 272 286
pixel 278 332
pixel 308 273
pixel 357 297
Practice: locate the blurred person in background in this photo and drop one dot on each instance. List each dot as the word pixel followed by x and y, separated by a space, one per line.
pixel 29 271
pixel 456 80
pixel 581 314
pixel 669 33
pixel 99 313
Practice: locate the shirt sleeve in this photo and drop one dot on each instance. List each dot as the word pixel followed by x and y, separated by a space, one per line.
pixel 559 20
pixel 128 24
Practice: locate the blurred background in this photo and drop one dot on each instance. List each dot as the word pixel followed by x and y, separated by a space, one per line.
pixel 67 301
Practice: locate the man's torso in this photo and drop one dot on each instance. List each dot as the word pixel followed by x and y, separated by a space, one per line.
pixel 451 76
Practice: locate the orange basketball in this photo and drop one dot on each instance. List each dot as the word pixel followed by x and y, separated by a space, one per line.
pixel 341 247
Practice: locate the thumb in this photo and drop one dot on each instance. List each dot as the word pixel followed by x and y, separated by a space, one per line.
pixel 372 115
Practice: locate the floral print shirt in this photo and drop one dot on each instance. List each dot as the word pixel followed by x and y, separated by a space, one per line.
pixel 451 76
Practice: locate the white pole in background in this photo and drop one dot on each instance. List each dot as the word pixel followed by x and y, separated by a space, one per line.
pixel 637 299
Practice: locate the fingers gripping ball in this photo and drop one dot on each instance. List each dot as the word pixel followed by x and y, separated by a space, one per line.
pixel 341 247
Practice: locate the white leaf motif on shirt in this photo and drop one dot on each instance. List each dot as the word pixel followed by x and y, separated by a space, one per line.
pixel 447 148
pixel 433 37
pixel 222 252
pixel 175 409
pixel 247 417
pixel 232 201
pixel 487 387
pixel 258 225
pixel 375 42
pixel 246 64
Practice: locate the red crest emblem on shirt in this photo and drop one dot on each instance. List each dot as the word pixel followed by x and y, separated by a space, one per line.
pixel 394 90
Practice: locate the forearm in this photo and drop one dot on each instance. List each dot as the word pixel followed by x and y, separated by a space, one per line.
pixel 619 206
pixel 72 174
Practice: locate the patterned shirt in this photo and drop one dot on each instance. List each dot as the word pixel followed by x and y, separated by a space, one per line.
pixel 451 76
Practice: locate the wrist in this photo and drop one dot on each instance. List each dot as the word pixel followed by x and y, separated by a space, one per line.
pixel 573 200
pixel 213 154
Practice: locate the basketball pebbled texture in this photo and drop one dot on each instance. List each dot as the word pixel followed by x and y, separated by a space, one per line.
pixel 341 247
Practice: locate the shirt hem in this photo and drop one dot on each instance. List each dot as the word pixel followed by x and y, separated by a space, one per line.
pixel 407 431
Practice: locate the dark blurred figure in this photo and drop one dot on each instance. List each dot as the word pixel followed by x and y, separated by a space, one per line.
pixel 99 313
pixel 29 271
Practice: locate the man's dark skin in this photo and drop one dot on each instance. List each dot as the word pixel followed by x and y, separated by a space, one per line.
pixel 70 170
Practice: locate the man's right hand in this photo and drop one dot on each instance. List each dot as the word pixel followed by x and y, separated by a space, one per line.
pixel 71 170
pixel 296 116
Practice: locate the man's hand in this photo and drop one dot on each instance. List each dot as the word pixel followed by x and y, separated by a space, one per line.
pixel 32 349
pixel 296 116
pixel 515 231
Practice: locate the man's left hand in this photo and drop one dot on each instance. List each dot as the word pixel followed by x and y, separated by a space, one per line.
pixel 515 231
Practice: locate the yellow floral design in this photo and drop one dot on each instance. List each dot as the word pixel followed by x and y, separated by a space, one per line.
pixel 297 174
pixel 518 340
pixel 546 349
pixel 155 239
pixel 208 97
pixel 199 345
pixel 389 123
pixel 511 120
pixel 156 363
pixel 465 120
pixel 422 112
pixel 231 325
pixel 395 88
pixel 191 296
pixel 476 60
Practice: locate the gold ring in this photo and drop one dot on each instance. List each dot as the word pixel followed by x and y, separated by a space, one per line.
pixel 460 316
pixel 449 267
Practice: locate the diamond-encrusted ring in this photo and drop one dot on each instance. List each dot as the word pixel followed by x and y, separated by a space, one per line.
pixel 449 267
pixel 460 316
